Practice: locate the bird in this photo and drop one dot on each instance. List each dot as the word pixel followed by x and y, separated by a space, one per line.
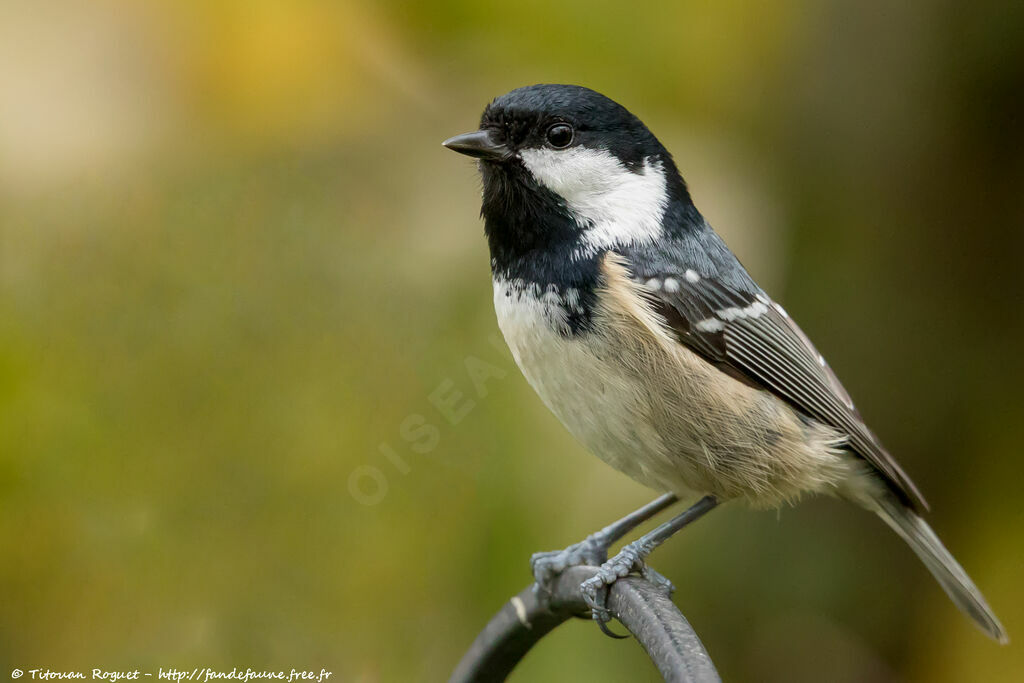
pixel 641 331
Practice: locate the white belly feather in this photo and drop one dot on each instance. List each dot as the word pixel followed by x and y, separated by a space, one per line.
pixel 579 381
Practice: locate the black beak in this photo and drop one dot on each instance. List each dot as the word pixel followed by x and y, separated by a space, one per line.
pixel 479 144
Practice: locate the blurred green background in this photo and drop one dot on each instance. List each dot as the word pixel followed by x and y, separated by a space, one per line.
pixel 239 275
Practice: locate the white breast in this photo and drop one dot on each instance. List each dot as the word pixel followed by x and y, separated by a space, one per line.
pixel 580 380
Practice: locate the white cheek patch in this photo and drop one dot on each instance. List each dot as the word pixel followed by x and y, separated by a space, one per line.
pixel 613 205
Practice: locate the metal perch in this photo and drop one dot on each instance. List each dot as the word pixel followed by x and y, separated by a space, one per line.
pixel 643 609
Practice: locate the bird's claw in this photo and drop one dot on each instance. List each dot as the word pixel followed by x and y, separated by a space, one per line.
pixel 547 565
pixel 595 589
pixel 659 581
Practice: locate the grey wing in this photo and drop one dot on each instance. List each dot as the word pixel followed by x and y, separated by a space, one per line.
pixel 744 333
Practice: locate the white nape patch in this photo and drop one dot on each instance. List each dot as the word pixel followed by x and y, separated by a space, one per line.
pixel 612 204
pixel 671 285
pixel 691 276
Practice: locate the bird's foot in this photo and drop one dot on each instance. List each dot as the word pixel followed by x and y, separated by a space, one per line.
pixel 593 550
pixel 659 580
pixel 629 560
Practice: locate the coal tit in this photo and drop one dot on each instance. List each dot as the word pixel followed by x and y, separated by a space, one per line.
pixel 641 331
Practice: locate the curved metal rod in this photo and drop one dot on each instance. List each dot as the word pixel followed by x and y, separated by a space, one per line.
pixel 642 608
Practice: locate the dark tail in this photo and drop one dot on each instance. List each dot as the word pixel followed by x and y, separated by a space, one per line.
pixel 950 575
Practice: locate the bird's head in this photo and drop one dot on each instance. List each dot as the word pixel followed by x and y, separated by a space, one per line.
pixel 562 163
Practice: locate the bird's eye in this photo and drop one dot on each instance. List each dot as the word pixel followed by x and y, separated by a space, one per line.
pixel 560 135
